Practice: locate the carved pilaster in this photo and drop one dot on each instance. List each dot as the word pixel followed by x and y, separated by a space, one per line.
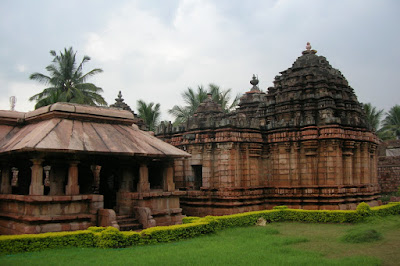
pixel 96 169
pixel 348 147
pixel 143 184
pixel 5 180
pixel 72 187
pixel 168 178
pixel 36 187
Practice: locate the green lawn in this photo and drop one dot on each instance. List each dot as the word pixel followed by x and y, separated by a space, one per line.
pixel 276 244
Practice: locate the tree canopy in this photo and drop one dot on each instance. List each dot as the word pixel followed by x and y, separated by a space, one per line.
pixel 67 82
pixel 193 99
pixel 373 115
pixel 150 113
pixel 391 123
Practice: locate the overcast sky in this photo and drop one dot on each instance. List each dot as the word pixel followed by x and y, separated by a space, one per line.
pixel 154 50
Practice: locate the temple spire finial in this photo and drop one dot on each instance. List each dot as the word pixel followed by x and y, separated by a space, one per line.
pixel 308 49
pixel 254 81
pixel 13 100
pixel 308 46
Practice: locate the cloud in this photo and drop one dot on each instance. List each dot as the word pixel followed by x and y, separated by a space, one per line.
pixel 22 90
pixel 162 59
pixel 153 51
pixel 21 68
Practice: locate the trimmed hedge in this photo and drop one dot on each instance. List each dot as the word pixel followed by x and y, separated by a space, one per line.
pixel 35 242
pixel 192 226
pixel 175 232
pixel 101 237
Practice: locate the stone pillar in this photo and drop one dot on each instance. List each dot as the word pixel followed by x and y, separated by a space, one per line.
pixel 96 178
pixel 168 178
pixel 127 179
pixel 5 181
pixel 36 187
pixel 143 184
pixel 72 187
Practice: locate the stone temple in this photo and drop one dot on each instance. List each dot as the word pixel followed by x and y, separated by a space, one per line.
pixel 67 167
pixel 304 143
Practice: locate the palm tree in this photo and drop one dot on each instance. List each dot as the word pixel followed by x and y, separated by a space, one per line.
pixel 150 113
pixel 194 98
pixel 391 123
pixel 223 97
pixel 66 81
pixel 373 116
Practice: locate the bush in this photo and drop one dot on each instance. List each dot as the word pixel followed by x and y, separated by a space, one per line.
pixel 392 208
pixel 96 229
pixel 111 238
pixel 132 238
pixel 283 207
pixel 363 209
pixel 362 236
pixel 191 219
pixel 175 232
pixel 37 242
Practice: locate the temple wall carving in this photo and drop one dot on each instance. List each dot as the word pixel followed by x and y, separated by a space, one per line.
pixel 304 143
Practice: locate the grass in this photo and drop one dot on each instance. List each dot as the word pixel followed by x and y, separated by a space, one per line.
pixel 275 244
pixel 362 236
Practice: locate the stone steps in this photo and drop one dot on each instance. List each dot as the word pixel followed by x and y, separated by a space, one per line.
pixel 128 223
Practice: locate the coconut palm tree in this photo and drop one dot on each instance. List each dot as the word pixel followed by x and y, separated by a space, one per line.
pixel 223 97
pixel 391 123
pixel 194 98
pixel 150 113
pixel 67 82
pixel 373 115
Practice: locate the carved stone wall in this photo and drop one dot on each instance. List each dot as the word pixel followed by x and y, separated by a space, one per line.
pixel 389 166
pixel 305 143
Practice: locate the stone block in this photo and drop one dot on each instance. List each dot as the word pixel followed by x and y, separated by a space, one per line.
pixel 53 227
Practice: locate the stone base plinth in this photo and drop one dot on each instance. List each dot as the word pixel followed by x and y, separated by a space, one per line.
pixel 231 201
pixel 164 206
pixel 20 214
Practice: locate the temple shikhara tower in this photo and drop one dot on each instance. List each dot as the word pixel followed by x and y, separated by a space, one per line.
pixel 303 143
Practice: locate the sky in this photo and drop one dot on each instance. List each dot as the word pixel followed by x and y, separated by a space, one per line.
pixel 154 50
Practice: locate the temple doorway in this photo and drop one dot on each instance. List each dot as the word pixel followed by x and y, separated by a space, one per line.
pixel 109 186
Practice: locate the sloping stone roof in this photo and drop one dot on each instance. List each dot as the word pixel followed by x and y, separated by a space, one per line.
pixel 73 128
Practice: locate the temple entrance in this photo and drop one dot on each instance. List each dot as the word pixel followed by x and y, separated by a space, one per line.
pixel 156 175
pixel 198 176
pixel 109 186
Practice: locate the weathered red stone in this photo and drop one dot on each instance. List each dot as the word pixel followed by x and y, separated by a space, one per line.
pixel 60 157
pixel 305 143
